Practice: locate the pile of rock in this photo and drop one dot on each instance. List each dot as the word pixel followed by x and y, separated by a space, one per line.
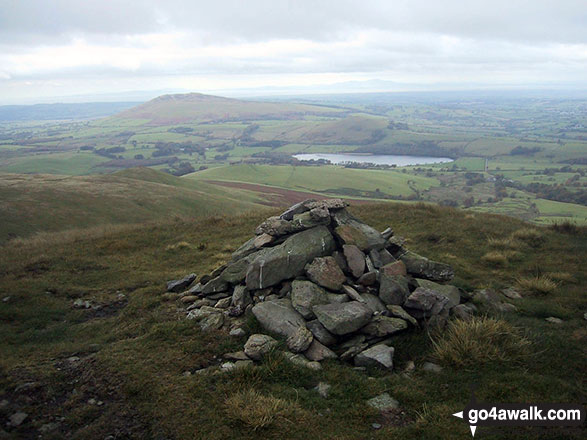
pixel 330 285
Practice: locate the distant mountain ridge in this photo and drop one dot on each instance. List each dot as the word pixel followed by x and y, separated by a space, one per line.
pixel 62 111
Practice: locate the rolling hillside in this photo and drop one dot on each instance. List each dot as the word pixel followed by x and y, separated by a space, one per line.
pixel 197 107
pixel 47 203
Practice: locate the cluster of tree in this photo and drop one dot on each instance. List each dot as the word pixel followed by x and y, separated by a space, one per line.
pixel 131 163
pixel 397 125
pixel 275 158
pixel 110 152
pixel 266 144
pixel 557 192
pixel 474 178
pixel 246 135
pixel 181 130
pixel 181 168
pixel 171 148
pixel 524 151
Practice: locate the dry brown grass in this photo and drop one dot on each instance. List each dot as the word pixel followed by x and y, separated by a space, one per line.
pixel 540 284
pixel 530 236
pixel 467 344
pixel 495 258
pixel 562 277
pixel 503 243
pixel 257 411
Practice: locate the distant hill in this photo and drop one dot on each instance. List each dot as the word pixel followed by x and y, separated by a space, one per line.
pixel 52 112
pixel 197 107
pixel 47 203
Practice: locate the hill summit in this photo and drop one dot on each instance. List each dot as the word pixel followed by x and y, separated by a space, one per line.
pixel 198 107
pixel 331 285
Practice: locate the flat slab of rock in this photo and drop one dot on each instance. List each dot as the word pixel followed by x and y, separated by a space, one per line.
pixel 321 333
pixel 181 284
pixel 381 326
pixel 344 318
pixel 393 289
pixel 289 259
pixel 325 272
pixel 380 356
pixel 424 303
pixel 422 267
pixel 351 231
pixel 278 317
pixel 318 352
pixel 355 259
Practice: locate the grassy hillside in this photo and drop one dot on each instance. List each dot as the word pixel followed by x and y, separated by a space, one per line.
pixel 131 355
pixel 44 203
pixel 196 107
pixel 333 180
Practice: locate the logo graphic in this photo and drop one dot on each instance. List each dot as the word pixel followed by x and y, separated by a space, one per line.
pixel 520 414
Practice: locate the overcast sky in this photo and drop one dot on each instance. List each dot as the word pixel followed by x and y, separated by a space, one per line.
pixel 55 48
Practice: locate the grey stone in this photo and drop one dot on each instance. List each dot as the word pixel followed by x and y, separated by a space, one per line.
pixel 215 285
pixel 337 298
pixel 342 319
pixel 355 259
pixel 393 289
pixel 380 356
pixel 48 427
pixel 212 322
pixel 424 303
pixel 511 293
pixel 262 240
pixel 352 294
pixel 18 418
pixel 223 303
pixel 554 320
pixel 373 302
pixel 305 295
pixel 341 261
pixel 315 217
pixel 288 259
pixel 399 312
pixel 321 333
pixel 318 352
pixel 258 345
pixel 330 204
pixel 323 389
pixel 241 297
pixel 387 233
pixel 381 326
pixel 298 208
pixel 394 268
pixel 299 340
pixel 368 279
pixel 450 292
pixel 236 356
pixel 463 311
pixel 383 402
pixel 298 359
pixel 432 368
pixel 243 364
pixel 275 226
pixel 278 317
pixel 422 267
pixel 181 284
pixel 237 332
pixel 350 230
pixel 196 289
pixel 246 249
pixel 325 272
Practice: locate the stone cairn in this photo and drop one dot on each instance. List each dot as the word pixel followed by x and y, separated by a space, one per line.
pixel 330 285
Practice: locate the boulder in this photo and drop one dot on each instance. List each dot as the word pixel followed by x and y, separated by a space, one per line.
pixel 318 352
pixel 450 292
pixel 394 268
pixel 262 240
pixel 352 293
pixel 422 267
pixel 355 259
pixel 393 289
pixel 368 279
pixel 381 326
pixel 288 259
pixel 349 230
pixel 373 302
pixel 300 339
pixel 276 227
pixel 383 402
pixel 278 317
pixel 399 312
pixel 241 297
pixel 215 285
pixel 344 318
pixel 314 217
pixel 214 321
pixel 325 272
pixel 464 311
pixel 424 303
pixel 181 284
pixel 380 356
pixel 258 345
pixel 321 333
pixel 298 208
pixel 305 295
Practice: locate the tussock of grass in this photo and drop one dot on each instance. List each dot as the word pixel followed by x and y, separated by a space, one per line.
pixel 179 246
pixel 495 258
pixel 562 277
pixel 503 243
pixel 467 344
pixel 530 236
pixel 258 411
pixel 540 284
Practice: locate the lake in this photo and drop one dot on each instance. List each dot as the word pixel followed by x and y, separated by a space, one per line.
pixel 378 159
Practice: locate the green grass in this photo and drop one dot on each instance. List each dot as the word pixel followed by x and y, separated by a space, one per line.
pixel 332 180
pixel 41 203
pixel 73 164
pixel 133 360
